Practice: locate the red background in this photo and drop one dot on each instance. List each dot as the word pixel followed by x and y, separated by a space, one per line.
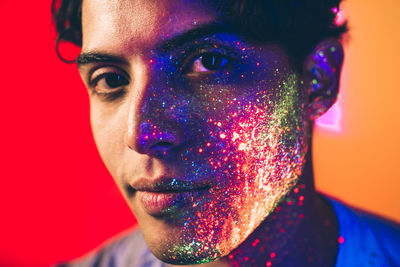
pixel 57 200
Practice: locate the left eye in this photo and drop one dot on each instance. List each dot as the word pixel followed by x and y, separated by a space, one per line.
pixel 208 62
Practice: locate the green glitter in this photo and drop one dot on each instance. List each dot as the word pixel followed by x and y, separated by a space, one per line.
pixel 285 116
pixel 195 253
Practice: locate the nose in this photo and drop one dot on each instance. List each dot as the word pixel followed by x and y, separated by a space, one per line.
pixel 153 128
pixel 159 140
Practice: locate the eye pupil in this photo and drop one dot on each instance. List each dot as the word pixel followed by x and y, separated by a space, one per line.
pixel 114 80
pixel 211 61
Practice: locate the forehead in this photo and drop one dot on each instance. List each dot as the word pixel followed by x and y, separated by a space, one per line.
pixel 133 24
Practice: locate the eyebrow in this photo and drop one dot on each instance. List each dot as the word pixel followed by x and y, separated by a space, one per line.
pixel 94 57
pixel 195 33
pixel 176 41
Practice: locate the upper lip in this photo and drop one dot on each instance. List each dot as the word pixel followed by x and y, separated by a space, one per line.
pixel 167 184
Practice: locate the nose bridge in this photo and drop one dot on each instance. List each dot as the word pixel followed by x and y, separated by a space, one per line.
pixel 150 129
pixel 137 97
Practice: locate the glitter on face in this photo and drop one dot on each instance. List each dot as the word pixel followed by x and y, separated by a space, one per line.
pixel 251 157
pixel 218 114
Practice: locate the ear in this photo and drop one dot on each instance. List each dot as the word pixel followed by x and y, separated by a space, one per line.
pixel 321 76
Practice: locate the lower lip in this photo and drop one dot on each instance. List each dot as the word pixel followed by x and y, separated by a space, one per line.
pixel 159 203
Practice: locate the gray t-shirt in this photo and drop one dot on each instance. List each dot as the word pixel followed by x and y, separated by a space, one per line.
pixel 366 241
pixel 131 250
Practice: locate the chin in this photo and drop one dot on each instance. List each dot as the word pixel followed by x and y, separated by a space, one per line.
pixel 184 259
pixel 186 253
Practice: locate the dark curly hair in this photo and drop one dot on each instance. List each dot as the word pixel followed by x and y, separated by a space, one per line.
pixel 298 25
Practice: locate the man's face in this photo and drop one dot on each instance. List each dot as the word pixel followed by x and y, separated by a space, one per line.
pixel 203 131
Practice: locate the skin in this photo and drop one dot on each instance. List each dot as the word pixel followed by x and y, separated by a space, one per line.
pixel 237 138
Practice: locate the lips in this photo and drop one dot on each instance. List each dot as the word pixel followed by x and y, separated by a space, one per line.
pixel 164 196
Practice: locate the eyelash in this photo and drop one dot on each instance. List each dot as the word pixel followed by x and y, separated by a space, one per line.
pixel 194 53
pixel 186 62
pixel 114 93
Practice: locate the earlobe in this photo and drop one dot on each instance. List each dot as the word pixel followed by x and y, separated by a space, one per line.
pixel 321 75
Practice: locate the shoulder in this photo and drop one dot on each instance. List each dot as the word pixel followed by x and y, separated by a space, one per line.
pixel 129 250
pixel 366 239
pixel 386 234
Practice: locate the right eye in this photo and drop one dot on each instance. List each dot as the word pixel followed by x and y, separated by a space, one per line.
pixel 208 62
pixel 108 82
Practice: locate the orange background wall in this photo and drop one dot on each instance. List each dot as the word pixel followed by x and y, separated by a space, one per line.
pixel 360 164
pixel 57 200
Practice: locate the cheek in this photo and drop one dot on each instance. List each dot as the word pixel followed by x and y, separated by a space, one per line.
pixel 271 146
pixel 262 131
pixel 107 129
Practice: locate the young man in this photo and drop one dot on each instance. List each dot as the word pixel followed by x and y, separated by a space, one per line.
pixel 203 112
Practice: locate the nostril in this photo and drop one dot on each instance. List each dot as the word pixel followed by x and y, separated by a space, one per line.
pixel 162 145
pixel 161 148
